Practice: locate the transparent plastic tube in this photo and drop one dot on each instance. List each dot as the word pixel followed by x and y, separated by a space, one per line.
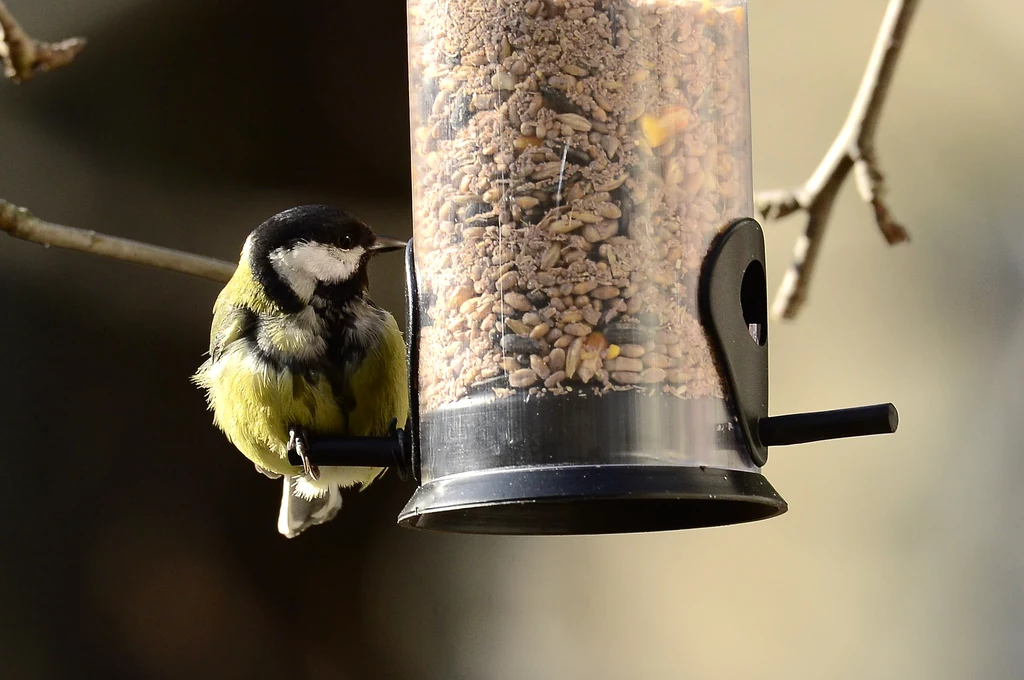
pixel 572 161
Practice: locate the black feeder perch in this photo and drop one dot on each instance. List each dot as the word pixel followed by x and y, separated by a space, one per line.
pixel 667 427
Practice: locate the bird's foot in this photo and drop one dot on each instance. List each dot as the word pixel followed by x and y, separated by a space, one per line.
pixel 297 442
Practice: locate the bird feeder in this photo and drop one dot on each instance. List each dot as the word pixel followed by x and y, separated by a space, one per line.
pixel 587 320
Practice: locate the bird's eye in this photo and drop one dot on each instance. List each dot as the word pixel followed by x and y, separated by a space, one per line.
pixel 347 241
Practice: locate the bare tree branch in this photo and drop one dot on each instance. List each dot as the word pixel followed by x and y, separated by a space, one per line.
pixel 24 57
pixel 21 224
pixel 853 149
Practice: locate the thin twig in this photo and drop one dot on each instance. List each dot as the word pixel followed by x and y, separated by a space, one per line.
pixel 21 224
pixel 24 57
pixel 853 149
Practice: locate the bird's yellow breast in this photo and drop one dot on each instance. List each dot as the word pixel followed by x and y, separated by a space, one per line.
pixel 255 402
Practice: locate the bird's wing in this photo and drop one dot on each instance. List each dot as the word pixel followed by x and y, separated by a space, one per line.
pixel 230 323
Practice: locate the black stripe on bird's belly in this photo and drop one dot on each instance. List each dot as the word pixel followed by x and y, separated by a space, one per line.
pixel 344 357
pixel 347 348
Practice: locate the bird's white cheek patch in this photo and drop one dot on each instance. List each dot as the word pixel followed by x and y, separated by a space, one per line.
pixel 301 282
pixel 319 262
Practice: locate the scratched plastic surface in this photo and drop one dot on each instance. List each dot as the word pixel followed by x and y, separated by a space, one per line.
pixel 572 161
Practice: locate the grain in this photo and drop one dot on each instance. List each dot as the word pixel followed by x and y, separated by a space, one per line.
pixel 573 159
pixel 538 366
pixel 523 377
pixel 578 329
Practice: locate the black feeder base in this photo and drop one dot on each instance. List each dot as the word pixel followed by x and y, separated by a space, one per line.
pixel 591 499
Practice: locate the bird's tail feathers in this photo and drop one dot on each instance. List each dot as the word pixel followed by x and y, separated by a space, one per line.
pixel 298 513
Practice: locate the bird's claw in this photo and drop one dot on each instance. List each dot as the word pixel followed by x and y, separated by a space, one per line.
pixel 297 442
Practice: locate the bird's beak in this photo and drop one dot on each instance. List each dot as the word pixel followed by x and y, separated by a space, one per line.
pixel 384 244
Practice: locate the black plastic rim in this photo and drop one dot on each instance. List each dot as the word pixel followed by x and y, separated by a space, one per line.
pixel 591 499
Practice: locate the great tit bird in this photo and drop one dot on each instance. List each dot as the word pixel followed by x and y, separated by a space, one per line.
pixel 298 348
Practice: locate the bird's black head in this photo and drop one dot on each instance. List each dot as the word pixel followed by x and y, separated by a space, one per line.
pixel 313 249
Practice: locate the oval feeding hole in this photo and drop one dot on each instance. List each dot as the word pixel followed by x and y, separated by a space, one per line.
pixel 754 302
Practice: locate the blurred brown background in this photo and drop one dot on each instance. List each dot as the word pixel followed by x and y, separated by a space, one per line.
pixel 137 543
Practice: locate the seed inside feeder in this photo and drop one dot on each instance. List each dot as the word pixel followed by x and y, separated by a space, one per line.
pixel 571 169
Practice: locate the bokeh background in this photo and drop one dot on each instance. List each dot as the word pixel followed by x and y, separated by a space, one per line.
pixel 137 543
